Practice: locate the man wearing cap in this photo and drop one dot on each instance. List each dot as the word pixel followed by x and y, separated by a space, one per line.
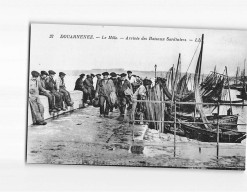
pixel 37 108
pixel 104 88
pixel 47 93
pixel 80 86
pixel 132 79
pixel 88 84
pixel 114 78
pixel 115 82
pixel 50 85
pixel 123 97
pixel 62 89
pixel 98 80
pixel 79 83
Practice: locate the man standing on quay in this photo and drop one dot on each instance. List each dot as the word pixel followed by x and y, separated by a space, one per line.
pixel 124 93
pixel 88 84
pixel 104 89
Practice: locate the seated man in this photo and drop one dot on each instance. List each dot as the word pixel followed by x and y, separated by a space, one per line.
pixel 50 85
pixel 62 89
pixel 47 93
pixel 37 108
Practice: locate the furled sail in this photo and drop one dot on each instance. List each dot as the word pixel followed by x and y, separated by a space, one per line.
pixel 198 98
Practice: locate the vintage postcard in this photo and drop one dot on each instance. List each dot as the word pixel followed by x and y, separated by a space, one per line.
pixel 137 96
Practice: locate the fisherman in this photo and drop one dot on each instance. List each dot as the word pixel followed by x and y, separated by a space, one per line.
pixel 50 85
pixel 62 89
pixel 124 93
pixel 137 84
pixel 80 86
pixel 79 83
pixel 104 88
pixel 37 108
pixel 88 84
pixel 114 78
pixel 113 95
pixel 132 79
pixel 138 107
pixel 98 76
pixel 93 83
pixel 47 93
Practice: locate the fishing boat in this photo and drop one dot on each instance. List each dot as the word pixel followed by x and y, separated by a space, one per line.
pixel 210 135
pixel 204 131
pixel 225 121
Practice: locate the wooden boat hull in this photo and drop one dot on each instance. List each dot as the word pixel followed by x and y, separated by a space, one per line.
pixel 232 119
pixel 203 135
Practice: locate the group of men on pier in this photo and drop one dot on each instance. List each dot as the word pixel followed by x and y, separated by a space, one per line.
pixel 109 90
pixel 43 83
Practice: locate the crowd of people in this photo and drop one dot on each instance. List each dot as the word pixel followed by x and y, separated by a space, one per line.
pixel 111 90
pixel 106 91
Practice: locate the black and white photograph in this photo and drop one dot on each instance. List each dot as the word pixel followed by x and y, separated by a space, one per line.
pixel 136 96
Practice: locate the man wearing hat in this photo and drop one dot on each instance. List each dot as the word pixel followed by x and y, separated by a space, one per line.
pixel 80 86
pixel 115 82
pixel 123 97
pixel 98 76
pixel 50 85
pixel 114 78
pixel 62 89
pixel 132 79
pixel 37 108
pixel 47 93
pixel 104 88
pixel 79 83
pixel 88 84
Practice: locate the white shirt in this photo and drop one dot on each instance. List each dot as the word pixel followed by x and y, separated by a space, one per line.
pixel 132 79
pixel 140 91
pixel 95 82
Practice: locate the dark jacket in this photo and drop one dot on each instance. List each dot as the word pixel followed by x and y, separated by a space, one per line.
pixel 115 81
pixel 50 84
pixel 105 87
pixel 122 86
pixel 79 84
pixel 88 83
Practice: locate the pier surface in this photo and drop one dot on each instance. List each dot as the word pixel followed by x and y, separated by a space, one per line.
pixel 82 137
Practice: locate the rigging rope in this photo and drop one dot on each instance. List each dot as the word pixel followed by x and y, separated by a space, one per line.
pixel 193 56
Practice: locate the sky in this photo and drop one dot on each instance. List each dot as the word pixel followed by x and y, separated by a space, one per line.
pixel 221 48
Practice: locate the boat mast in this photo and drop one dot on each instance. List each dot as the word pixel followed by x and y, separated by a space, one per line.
pixel 175 80
pixel 244 85
pixel 228 88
